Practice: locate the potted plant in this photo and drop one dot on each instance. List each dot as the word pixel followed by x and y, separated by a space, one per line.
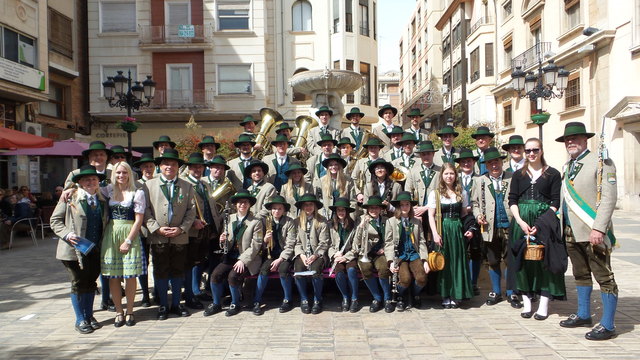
pixel 128 124
pixel 540 118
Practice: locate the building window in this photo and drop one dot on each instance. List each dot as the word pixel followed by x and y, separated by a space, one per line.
pixel 457 35
pixel 414 83
pixel 475 65
pixel 488 59
pixel 177 13
pixel 373 19
pixel 234 79
pixel 572 14
pixel 508 55
pixel 457 74
pixel 413 54
pixel 365 90
pixel 117 16
pixel 348 15
pixel 179 84
pixel 8 115
pixel 336 16
pixel 506 10
pixel 506 114
pixel 55 106
pixel 233 15
pixel 364 17
pixel 60 34
pixel 446 47
pixel 17 47
pixel 535 27
pixel 336 64
pixel 301 16
pixel 446 79
pixel 572 93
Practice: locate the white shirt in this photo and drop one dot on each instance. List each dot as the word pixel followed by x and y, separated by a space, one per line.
pixel 516 165
pixel 466 178
pixel 497 183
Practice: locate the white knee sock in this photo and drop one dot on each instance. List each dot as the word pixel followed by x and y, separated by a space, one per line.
pixel 526 304
pixel 543 308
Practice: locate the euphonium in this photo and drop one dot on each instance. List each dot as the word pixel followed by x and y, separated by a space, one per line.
pixel 268 119
pixel 221 191
pixel 362 152
pixel 399 173
pixel 304 123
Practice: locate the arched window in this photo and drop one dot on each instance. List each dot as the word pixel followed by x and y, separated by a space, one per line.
pixel 298 96
pixel 301 15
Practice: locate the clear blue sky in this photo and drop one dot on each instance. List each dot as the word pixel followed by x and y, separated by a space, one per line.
pixel 393 17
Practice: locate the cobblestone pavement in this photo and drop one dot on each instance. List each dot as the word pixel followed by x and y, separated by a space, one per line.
pixel 36 322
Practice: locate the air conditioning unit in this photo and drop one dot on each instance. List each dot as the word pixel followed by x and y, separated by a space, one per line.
pixel 32 128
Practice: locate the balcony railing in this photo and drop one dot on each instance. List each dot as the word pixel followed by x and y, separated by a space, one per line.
pixel 350 98
pixel 177 99
pixel 173 34
pixel 365 100
pixel 485 20
pixel 531 56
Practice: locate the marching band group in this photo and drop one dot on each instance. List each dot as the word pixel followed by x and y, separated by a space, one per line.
pixel 384 205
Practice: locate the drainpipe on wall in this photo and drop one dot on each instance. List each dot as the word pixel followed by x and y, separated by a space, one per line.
pixel 282 68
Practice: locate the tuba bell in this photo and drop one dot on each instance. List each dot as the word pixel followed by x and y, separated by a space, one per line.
pixel 399 173
pixel 268 119
pixel 304 123
pixel 221 191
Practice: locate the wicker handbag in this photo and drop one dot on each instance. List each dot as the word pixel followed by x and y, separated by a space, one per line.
pixel 436 258
pixel 534 252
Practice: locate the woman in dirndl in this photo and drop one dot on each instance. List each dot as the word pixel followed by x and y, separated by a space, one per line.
pixel 122 251
pixel 454 280
pixel 534 189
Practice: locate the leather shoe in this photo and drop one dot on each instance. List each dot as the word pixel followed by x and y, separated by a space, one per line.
pixel 233 310
pixel 388 306
pixel 526 315
pixel 95 325
pixel 285 306
pixel 375 306
pixel 257 309
pixel 212 309
pixel 600 333
pixel 304 307
pixel 400 305
pixel 345 305
pixel 476 290
pixel 515 302
pixel 417 302
pixel 574 321
pixel 540 317
pixel 493 299
pixel 355 306
pixel 180 310
pixel 84 327
pixel 162 313
pixel 146 302
pixel 193 303
pixel 316 308
pixel 130 320
pixel 109 305
pixel 119 321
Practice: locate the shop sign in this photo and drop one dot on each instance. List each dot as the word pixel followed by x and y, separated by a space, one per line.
pixel 21 74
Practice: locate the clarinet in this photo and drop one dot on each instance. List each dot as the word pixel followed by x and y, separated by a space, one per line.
pixel 225 245
pixel 344 247
pixel 309 250
pixel 484 206
pixel 395 278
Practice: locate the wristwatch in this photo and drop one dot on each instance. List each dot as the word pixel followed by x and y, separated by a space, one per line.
pixel 127 241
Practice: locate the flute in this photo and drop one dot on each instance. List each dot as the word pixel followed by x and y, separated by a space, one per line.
pixel 344 247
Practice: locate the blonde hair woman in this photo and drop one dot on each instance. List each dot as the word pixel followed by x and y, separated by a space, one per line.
pixel 334 184
pixel 122 254
pixel 295 187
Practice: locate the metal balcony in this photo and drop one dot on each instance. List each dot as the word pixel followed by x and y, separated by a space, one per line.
pixel 531 56
pixel 485 20
pixel 180 99
pixel 172 34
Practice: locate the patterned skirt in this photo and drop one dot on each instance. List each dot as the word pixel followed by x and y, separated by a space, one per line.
pixel 533 278
pixel 454 280
pixel 115 264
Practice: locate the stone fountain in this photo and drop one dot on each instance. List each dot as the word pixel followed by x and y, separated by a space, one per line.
pixel 326 88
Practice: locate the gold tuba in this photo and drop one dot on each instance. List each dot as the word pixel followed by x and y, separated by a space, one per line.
pixel 221 191
pixel 362 152
pixel 399 174
pixel 304 123
pixel 268 119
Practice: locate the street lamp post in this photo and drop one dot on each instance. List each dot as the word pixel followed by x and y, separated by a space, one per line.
pixel 540 86
pixel 128 97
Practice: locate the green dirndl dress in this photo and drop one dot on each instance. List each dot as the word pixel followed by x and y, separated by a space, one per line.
pixel 454 280
pixel 533 278
pixel 115 264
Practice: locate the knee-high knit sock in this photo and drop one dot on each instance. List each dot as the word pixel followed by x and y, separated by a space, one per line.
pixel 526 304
pixel 584 301
pixel 416 289
pixel 317 283
pixel 301 284
pixel 495 277
pixel 343 286
pixel 474 270
pixel 374 288
pixel 144 285
pixel 176 288
pixel 162 286
pixel 263 280
pixel 217 290
pixel 287 287
pixel 235 294
pixel 352 274
pixel 77 307
pixel 106 293
pixel 609 304
pixel 196 277
pixel 543 307
pixel 386 288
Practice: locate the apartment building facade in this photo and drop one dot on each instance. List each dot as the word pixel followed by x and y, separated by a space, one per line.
pixel 220 60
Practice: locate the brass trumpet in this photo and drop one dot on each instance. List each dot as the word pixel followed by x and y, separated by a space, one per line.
pixel 268 119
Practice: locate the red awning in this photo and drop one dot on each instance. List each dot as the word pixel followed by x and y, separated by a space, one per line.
pixel 13 139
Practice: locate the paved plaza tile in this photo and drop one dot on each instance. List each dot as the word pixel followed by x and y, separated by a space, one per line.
pixel 36 322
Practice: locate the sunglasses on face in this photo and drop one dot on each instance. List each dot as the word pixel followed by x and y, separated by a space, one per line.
pixel 528 151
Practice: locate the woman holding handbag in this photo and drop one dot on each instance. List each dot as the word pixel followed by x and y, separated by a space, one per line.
pixel 449 203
